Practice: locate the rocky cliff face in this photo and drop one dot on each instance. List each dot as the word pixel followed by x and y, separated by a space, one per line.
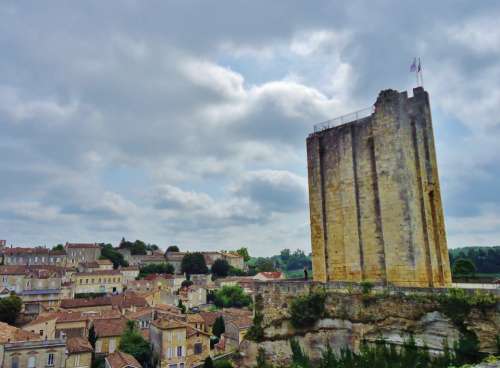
pixel 352 318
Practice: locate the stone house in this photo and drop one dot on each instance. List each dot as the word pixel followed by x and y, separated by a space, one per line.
pixel 198 346
pixel 236 329
pixel 129 273
pixel 99 304
pixel 82 252
pixel 175 259
pixel 23 349
pixel 119 359
pixel 104 264
pixel 108 333
pixel 193 296
pixel 100 281
pixel 79 353
pixel 169 340
pixel 33 256
pixel 39 287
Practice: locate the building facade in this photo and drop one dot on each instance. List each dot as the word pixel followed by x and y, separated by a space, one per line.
pixel 374 195
pixel 82 253
pixel 99 282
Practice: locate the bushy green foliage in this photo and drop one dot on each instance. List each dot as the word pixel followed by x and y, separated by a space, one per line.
pixel 138 247
pixel 219 327
pixel 133 343
pixel 256 331
pixel 173 248
pixel 261 359
pixel 181 306
pixel 156 268
pixel 379 355
pixel 467 348
pixel 208 363
pixel 233 271
pixel 485 259
pixel 244 253
pixel 220 268
pixel 10 308
pixel 193 264
pixel 457 304
pixel 366 287
pixel 305 310
pixel 232 296
pixel 58 247
pixel 463 267
pixel 108 252
pixel 223 363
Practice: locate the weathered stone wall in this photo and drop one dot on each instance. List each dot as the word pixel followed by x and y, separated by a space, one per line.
pixel 386 314
pixel 375 201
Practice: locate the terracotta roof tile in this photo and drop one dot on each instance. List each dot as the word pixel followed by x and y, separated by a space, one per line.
pixel 119 359
pixel 99 273
pixel 81 245
pixel 109 327
pixel 78 345
pixel 10 333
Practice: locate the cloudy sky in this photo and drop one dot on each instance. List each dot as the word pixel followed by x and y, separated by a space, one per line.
pixel 184 122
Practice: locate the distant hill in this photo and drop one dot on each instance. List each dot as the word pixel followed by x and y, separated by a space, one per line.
pixel 486 259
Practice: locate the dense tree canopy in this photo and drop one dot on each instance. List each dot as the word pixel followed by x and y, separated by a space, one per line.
pixel 232 296
pixel 194 264
pixel 485 259
pixel 244 253
pixel 219 327
pixel 133 343
pixel 173 248
pixel 156 268
pixel 10 308
pixel 463 267
pixel 220 268
pixel 58 247
pixel 108 252
pixel 138 247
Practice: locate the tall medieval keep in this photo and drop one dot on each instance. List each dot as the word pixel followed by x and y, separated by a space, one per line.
pixel 375 202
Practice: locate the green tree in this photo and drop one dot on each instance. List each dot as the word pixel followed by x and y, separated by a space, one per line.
pixel 464 267
pixel 220 268
pixel 133 343
pixel 193 264
pixel 243 251
pixel 305 310
pixel 264 265
pixel 219 327
pixel 156 268
pixel 173 248
pixel 108 252
pixel 232 296
pixel 92 336
pixel 181 306
pixel 58 247
pixel 10 308
pixel 222 363
pixel 208 363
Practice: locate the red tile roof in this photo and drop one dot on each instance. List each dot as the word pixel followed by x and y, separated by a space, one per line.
pixel 79 303
pixel 81 245
pixel 119 359
pixel 77 345
pixel 110 327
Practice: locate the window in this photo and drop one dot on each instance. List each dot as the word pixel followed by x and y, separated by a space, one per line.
pixel 81 281
pixel 198 348
pixel 77 360
pixel 179 351
pixel 15 362
pixel 172 366
pixel 41 332
pixel 31 362
pixel 112 345
pixel 86 281
pixel 50 359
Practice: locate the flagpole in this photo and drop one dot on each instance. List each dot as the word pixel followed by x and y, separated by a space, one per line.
pixel 421 73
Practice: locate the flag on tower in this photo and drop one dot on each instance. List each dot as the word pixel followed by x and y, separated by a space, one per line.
pixel 413 66
pixel 419 69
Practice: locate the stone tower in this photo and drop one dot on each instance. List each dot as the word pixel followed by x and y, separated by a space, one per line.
pixel 374 197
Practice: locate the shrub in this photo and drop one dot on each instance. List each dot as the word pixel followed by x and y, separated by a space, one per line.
pixel 223 363
pixel 232 296
pixel 366 287
pixel 256 331
pixel 220 268
pixel 305 310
